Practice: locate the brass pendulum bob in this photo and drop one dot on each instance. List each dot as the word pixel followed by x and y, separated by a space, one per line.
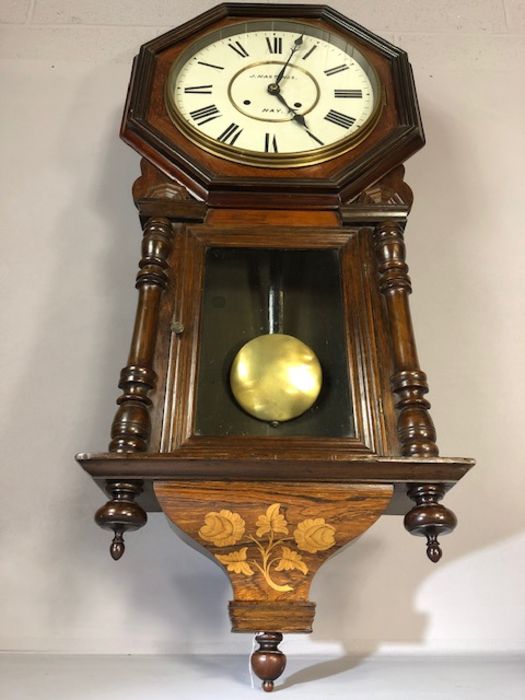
pixel 275 377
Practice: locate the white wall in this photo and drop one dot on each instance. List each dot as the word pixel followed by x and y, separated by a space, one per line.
pixel 70 243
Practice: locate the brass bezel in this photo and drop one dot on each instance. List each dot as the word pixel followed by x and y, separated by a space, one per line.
pixel 274 160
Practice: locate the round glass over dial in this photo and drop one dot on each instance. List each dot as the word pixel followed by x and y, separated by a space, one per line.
pixel 274 93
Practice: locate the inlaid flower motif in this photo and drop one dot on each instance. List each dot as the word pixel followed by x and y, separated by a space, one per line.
pixel 273 521
pixel 314 535
pixel 236 562
pixel 291 560
pixel 223 528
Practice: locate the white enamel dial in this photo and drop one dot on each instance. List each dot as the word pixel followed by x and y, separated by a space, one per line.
pixel 273 93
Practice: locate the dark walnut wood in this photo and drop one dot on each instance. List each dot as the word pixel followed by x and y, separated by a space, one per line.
pixel 386 349
pixel 271 538
pixel 416 431
pixel 402 472
pixel 131 428
pixel 121 513
pixel 271 509
pixel 415 428
pixel 268 661
pixel 374 420
pixel 429 518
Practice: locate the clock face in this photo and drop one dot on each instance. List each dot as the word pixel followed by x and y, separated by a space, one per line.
pixel 273 93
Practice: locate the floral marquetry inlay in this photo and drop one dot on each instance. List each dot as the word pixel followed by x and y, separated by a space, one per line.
pixel 271 538
pixel 225 528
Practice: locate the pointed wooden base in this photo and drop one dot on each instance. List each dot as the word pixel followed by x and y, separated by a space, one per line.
pixel 271 538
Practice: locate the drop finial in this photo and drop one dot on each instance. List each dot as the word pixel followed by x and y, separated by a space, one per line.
pixel 118 546
pixel 268 661
pixel 434 551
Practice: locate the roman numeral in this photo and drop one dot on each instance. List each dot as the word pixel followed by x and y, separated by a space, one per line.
pixel 199 90
pixel 239 48
pixel 340 119
pixel 348 93
pixel 275 45
pixel 309 53
pixel 205 114
pixel 270 143
pixel 337 69
pixel 210 65
pixel 231 134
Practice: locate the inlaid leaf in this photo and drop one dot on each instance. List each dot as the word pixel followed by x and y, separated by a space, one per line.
pixel 291 560
pixel 236 562
pixel 273 521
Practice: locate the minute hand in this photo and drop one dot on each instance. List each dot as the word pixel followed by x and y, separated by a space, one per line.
pixel 297 43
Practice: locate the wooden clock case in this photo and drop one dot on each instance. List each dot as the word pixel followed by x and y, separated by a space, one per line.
pixel 272 508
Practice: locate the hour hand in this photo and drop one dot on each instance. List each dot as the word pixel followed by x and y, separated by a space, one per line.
pixel 296 117
pixel 276 91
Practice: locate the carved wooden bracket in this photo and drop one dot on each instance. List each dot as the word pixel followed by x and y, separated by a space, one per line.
pixel 390 189
pixel 271 538
pixel 156 194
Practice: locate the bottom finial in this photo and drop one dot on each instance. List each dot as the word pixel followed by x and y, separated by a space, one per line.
pixel 268 662
pixel 121 514
pixel 118 546
pixel 429 518
pixel 434 551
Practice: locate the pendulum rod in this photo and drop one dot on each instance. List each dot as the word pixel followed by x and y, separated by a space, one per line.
pixel 275 293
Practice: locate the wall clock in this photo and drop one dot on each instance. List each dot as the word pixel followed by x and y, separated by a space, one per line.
pixel 273 406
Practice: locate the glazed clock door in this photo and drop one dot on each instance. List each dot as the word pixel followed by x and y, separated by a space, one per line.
pixel 303 290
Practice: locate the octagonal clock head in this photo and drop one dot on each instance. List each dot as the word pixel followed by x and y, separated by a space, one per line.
pixel 264 102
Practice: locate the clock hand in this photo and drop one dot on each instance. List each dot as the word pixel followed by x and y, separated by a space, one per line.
pixel 296 117
pixel 297 43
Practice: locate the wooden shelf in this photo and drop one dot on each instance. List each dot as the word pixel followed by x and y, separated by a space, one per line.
pixel 367 469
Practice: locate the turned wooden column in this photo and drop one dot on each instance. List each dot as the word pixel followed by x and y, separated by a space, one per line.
pixel 416 432
pixel 131 428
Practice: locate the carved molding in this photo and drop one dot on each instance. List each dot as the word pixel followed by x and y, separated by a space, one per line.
pixel 390 190
pixel 154 184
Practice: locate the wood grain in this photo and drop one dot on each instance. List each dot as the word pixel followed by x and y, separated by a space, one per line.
pixel 272 537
